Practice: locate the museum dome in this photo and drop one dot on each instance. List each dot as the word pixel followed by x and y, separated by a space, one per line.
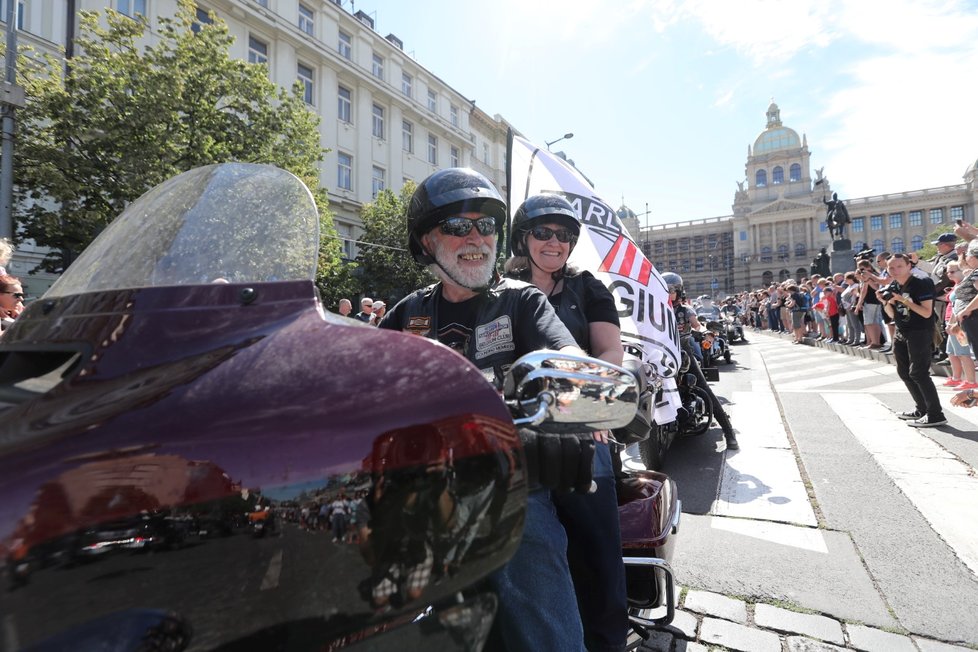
pixel 776 136
pixel 625 213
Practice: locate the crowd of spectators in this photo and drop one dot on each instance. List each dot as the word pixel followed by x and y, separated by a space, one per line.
pixel 846 308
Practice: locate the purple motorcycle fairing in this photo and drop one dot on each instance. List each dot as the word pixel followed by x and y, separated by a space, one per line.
pixel 179 407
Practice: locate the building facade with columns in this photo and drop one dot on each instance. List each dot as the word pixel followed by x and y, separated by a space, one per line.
pixel 385 117
pixel 777 226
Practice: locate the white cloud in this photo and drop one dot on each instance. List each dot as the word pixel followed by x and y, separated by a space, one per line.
pixel 761 30
pixel 903 117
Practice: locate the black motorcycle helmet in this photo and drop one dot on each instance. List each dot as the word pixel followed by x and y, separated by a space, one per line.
pixel 445 193
pixel 545 207
pixel 674 281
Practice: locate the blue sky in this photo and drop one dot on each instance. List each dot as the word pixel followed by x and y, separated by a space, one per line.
pixel 664 97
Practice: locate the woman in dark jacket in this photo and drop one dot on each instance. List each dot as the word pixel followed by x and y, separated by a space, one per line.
pixel 544 232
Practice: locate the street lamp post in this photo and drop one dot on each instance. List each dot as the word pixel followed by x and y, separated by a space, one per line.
pixel 564 137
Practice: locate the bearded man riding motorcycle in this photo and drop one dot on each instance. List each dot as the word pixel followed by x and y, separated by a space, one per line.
pixel 686 322
pixel 454 219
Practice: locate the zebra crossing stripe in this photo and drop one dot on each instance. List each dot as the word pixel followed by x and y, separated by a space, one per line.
pixel 940 486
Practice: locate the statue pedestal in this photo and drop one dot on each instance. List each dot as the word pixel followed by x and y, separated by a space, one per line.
pixel 842 260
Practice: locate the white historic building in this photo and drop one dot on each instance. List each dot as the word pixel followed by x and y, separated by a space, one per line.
pixel 778 221
pixel 385 117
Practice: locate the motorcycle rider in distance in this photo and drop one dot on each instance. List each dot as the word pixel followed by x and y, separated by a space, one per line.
pixel 730 307
pixel 454 219
pixel 544 231
pixel 686 323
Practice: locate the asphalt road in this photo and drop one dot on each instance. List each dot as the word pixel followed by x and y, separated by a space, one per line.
pixel 832 504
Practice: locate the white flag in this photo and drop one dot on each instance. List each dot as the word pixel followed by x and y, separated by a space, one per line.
pixel 607 251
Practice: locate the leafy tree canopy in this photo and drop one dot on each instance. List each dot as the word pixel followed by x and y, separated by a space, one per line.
pixel 388 270
pixel 121 117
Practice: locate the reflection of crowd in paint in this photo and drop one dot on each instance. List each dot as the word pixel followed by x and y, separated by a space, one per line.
pixel 334 515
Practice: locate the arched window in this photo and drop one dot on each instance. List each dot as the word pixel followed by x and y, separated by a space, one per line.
pixel 800 273
pixel 801 250
pixel 917 243
pixel 783 275
pixel 782 252
pixel 761 178
pixel 878 246
pixel 777 175
pixel 765 254
pixel 767 278
pixel 896 246
pixel 794 172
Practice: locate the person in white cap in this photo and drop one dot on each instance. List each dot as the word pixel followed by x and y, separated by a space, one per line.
pixel 379 308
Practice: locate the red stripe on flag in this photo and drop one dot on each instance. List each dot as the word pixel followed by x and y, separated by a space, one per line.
pixel 628 260
pixel 610 258
pixel 645 273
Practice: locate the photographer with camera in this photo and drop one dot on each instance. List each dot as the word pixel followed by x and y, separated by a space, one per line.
pixel 909 301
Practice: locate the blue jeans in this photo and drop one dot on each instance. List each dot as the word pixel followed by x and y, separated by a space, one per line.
pixel 537 606
pixel 594 554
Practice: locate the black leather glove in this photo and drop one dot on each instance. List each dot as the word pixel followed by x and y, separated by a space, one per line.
pixel 560 462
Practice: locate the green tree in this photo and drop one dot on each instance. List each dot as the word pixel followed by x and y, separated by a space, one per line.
pixel 120 118
pixel 387 269
pixel 929 250
pixel 335 279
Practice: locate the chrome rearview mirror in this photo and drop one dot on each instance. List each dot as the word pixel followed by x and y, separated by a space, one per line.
pixel 563 392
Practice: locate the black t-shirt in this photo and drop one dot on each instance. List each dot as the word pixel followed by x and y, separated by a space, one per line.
pixel 455 322
pixel 801 302
pixel 362 316
pixel 530 324
pixel 920 290
pixel 599 303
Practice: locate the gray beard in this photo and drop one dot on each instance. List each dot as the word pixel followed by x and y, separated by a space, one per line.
pixel 448 269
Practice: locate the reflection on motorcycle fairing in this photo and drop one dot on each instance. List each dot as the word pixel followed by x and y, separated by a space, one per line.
pixel 142 395
pixel 432 494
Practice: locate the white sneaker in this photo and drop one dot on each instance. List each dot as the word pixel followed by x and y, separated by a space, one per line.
pixel 927 422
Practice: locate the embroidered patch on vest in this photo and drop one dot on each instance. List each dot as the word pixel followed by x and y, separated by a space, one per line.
pixel 494 337
pixel 419 325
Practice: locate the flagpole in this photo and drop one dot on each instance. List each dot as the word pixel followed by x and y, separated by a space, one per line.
pixel 509 185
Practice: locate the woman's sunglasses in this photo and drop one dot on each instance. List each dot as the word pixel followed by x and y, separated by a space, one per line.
pixel 462 226
pixel 544 233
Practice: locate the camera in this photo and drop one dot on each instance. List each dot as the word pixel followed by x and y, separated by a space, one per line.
pixel 866 253
pixel 886 293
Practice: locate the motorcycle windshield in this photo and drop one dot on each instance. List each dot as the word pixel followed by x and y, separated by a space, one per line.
pixel 231 222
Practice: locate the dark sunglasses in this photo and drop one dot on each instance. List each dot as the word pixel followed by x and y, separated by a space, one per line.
pixel 462 226
pixel 544 233
pixel 17 295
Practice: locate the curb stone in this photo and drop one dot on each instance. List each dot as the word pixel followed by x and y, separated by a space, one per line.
pixel 927 645
pixel 714 604
pixel 876 640
pixel 688 646
pixel 791 622
pixel 802 644
pixel 686 623
pixel 738 637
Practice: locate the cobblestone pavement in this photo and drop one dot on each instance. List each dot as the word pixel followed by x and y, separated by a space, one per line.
pixel 710 621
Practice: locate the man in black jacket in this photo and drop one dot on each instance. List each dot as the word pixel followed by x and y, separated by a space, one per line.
pixel 454 219
pixel 911 308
